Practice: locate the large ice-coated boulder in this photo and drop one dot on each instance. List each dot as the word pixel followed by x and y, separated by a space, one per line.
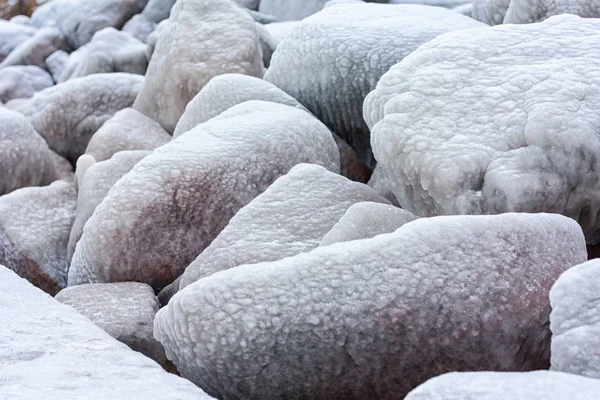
pixel 37 48
pixel 542 385
pixel 289 218
pixel 126 130
pixel 334 58
pixel 575 321
pixel 94 182
pixel 11 35
pixel 529 140
pixel 161 215
pixel 68 114
pixel 124 310
pixel 25 159
pixel 109 50
pixel 22 81
pixel 50 351
pixel 203 39
pixel 366 220
pixel 496 12
pixel 34 231
pixel 374 318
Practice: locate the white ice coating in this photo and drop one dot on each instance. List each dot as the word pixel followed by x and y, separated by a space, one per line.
pixel 161 215
pixel 537 385
pixel 496 12
pixel 203 39
pixel 333 59
pixel 366 220
pixel 575 321
pixel 529 140
pixel 289 218
pixel 68 114
pixel 11 35
pixel 50 351
pixel 37 48
pixel 109 50
pixel 139 27
pixel 375 318
pixel 126 130
pixel 34 231
pixel 21 81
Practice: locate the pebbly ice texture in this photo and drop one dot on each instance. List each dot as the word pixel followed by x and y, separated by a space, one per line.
pixel 494 12
pixel 68 114
pixel 34 231
pixel 289 218
pixel 375 318
pixel 203 39
pixel 126 130
pixel 529 140
pixel 50 351
pixel 157 219
pixel 334 58
pixel 575 321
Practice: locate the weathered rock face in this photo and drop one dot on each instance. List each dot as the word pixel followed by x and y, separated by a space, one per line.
pixel 124 310
pixel 306 203
pixel 519 147
pixel 39 337
pixel 34 231
pixel 203 39
pixel 161 215
pixel 67 115
pixel 375 318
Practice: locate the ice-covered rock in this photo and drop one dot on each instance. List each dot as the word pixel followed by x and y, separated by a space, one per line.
pixel 529 140
pixel 126 130
pixel 56 63
pixel 50 351
pixel 491 12
pixel 289 218
pixel 68 114
pixel 161 215
pixel 366 220
pixel 37 48
pixel 22 81
pixel 280 30
pixel 285 10
pixel 436 3
pixel 34 231
pixel 124 310
pixel 268 44
pixel 94 182
pixel 25 159
pixel 158 10
pixel 109 50
pixel 12 35
pixel 527 11
pixel 464 9
pixel 334 58
pixel 375 318
pixel 21 20
pixel 575 321
pixel 139 27
pixel 542 385
pixel 203 39
pixel 153 37
pixel 249 4
pixel 381 184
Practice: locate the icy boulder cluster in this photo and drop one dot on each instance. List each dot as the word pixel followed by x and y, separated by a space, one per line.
pixel 317 199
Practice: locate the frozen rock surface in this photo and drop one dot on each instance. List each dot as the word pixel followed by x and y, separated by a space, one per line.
pixel 50 351
pixel 284 10
pixel 36 49
pixel 366 220
pixel 529 140
pixel 333 59
pixel 158 10
pixel 280 30
pixel 34 231
pixel 203 39
pixel 12 35
pixel 126 130
pixel 124 310
pixel 354 320
pixel 543 385
pixel 139 27
pixel 161 215
pixel 56 63
pixel 575 321
pixel 68 114
pixel 381 184
pixel 110 50
pixel 496 12
pixel 25 159
pixel 94 182
pixel 289 218
pixel 22 82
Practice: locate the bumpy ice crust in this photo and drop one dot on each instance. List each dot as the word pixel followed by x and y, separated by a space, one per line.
pixel 491 12
pixel 11 35
pixel 50 351
pixel 204 38
pixel 22 81
pixel 528 142
pixel 161 215
pixel 374 318
pixel 333 59
pixel 67 115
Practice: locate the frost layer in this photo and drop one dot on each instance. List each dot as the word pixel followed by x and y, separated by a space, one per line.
pixel 374 318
